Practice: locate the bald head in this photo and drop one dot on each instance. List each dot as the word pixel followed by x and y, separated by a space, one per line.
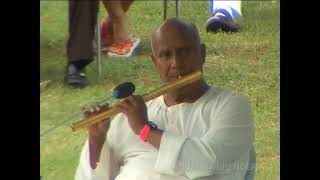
pixel 176 27
pixel 177 49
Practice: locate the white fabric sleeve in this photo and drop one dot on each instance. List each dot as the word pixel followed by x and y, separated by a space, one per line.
pixel 84 170
pixel 168 154
pixel 230 137
pixel 107 166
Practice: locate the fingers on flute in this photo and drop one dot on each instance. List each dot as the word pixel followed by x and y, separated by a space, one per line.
pixel 135 100
pixel 101 107
pixel 131 100
pixel 139 99
pixel 103 123
pixel 121 108
pixel 128 103
pixel 82 109
pixel 96 110
pixel 127 100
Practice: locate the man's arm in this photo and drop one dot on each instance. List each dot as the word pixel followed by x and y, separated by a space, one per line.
pixel 96 161
pixel 95 148
pixel 104 159
pixel 229 139
pixel 154 138
pixel 84 170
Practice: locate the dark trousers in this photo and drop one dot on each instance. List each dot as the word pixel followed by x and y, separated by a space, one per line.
pixel 82 22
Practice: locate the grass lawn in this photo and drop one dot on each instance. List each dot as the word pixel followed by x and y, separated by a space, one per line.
pixel 247 61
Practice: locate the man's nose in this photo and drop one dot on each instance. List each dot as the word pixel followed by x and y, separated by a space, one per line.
pixel 177 60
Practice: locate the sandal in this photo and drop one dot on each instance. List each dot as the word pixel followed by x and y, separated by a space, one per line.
pixel 129 42
pixel 121 48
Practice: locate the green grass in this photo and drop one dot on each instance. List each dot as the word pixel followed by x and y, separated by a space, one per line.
pixel 247 61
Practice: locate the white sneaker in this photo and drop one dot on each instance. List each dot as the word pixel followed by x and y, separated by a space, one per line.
pixel 223 20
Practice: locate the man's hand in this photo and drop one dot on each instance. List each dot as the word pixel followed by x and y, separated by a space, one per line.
pixel 136 111
pixel 97 134
pixel 97 130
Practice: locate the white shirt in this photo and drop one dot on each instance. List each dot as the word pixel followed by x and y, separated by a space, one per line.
pixel 208 139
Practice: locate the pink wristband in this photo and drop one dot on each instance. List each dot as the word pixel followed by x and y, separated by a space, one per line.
pixel 144 133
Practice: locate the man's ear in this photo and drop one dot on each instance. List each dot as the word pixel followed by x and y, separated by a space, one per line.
pixel 203 52
pixel 154 60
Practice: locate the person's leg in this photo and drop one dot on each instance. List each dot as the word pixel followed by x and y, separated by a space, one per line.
pixel 119 19
pixel 126 4
pixel 82 21
pixel 106 30
pixel 107 25
pixel 225 15
pixel 120 43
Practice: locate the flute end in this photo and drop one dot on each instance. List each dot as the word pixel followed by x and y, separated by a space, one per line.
pixel 74 129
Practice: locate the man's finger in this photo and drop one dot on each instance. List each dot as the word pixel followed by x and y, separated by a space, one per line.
pixel 97 108
pixel 139 99
pixel 127 105
pixel 128 100
pixel 103 123
pixel 133 100
pixel 82 109
pixel 93 126
pixel 120 108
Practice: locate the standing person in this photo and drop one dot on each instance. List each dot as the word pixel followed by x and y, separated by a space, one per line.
pixel 82 22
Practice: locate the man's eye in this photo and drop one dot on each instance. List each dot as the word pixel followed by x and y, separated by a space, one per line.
pixel 183 51
pixel 165 55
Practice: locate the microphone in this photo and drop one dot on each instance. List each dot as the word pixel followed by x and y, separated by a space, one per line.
pixel 123 90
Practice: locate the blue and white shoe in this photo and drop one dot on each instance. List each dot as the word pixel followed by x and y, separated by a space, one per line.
pixel 224 21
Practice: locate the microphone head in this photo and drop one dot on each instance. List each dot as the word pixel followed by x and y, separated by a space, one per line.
pixel 123 90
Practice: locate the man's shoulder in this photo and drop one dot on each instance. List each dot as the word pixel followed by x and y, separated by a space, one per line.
pixel 222 92
pixel 156 102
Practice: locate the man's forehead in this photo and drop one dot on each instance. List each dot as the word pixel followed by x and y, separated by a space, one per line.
pixel 174 37
pixel 175 30
pixel 175 33
pixel 174 42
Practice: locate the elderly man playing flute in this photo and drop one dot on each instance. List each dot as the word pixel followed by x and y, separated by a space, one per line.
pixel 196 132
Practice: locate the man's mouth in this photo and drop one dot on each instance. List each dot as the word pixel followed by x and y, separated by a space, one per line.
pixel 173 77
pixel 177 75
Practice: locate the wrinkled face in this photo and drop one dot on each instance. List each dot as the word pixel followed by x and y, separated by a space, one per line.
pixel 176 53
